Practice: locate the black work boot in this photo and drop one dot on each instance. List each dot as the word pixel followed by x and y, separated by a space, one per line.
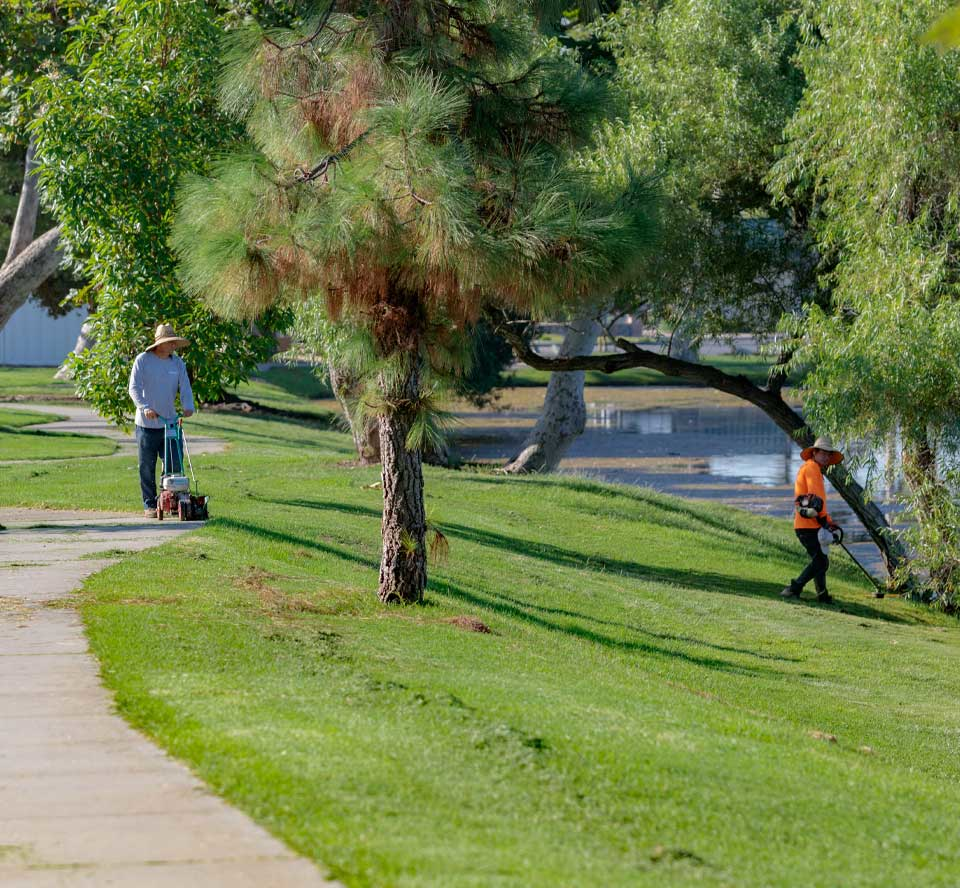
pixel 790 591
pixel 824 597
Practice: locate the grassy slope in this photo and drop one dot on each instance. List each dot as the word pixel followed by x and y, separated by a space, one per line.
pixel 19 443
pixel 642 714
pixel 285 388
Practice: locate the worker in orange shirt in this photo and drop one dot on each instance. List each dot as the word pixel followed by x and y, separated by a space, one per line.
pixel 811 517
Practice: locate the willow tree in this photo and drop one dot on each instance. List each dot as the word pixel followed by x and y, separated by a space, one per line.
pixel 874 147
pixel 407 163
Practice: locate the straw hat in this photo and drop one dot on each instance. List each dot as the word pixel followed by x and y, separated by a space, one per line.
pixel 823 443
pixel 165 334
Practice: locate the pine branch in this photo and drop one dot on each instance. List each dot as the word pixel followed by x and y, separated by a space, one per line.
pixel 322 169
pixel 324 20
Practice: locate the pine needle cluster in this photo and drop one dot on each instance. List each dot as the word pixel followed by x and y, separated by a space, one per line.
pixel 408 164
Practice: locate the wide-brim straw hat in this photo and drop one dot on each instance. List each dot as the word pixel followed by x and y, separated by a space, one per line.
pixel 823 443
pixel 165 334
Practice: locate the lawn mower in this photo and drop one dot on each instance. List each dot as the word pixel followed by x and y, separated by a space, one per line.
pixel 175 497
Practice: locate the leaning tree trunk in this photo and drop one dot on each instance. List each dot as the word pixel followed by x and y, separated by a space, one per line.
pixel 564 415
pixel 770 401
pixel 85 341
pixel 28 262
pixel 19 277
pixel 403 562
pixel 366 436
pixel 25 222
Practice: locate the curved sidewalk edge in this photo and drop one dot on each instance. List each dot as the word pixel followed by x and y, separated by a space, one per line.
pixel 85 800
pixel 84 421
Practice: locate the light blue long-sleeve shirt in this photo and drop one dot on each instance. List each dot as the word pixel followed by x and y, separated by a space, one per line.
pixel 154 383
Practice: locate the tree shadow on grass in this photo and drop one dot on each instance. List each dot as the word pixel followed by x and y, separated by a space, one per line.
pixel 679 507
pixel 502 604
pixel 707 581
pixel 685 512
pixel 277 536
pixel 660 636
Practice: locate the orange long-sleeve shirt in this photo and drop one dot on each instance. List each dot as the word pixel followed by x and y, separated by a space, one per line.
pixel 810 480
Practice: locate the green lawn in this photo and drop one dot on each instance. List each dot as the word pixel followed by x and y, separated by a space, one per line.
pixel 287 388
pixel 16 419
pixel 34 382
pixel 16 442
pixel 646 711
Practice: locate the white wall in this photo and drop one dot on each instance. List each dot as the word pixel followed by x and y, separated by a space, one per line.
pixel 33 338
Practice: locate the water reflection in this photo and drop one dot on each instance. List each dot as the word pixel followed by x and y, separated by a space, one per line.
pixel 757 468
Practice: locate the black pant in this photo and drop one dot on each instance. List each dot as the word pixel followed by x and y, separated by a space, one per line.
pixel 150 449
pixel 816 570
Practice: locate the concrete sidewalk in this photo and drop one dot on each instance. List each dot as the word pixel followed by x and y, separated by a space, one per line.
pixel 84 421
pixel 84 799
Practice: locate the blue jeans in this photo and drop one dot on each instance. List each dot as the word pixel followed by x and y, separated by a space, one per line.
pixel 150 449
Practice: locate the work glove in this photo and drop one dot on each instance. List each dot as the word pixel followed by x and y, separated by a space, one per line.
pixel 837 532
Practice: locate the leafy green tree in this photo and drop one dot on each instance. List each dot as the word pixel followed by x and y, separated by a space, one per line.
pixel 707 89
pixel 130 111
pixel 875 149
pixel 708 86
pixel 32 35
pixel 407 163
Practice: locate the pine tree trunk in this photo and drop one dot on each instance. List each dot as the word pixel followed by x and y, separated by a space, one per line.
pixel 366 438
pixel 403 563
pixel 564 415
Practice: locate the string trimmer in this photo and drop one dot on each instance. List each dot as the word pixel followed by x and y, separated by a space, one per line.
pixel 878 590
pixel 809 505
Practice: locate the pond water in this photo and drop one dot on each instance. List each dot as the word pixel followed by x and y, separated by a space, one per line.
pixel 718 449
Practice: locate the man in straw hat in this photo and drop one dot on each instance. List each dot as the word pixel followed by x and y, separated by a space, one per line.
pixel 811 516
pixel 157 376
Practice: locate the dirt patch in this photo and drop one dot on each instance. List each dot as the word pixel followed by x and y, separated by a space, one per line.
pixel 662 854
pixel 823 735
pixel 468 624
pixel 276 603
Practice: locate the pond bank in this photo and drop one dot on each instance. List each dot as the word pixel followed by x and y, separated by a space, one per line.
pixel 694 443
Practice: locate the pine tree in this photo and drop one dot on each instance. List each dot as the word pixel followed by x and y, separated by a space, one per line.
pixel 409 161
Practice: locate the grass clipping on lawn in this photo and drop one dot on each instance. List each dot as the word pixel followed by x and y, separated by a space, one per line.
pixel 645 710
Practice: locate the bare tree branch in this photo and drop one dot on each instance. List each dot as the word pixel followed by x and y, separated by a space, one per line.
pixel 769 401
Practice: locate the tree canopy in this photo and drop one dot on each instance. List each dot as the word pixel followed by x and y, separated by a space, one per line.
pixel 874 149
pixel 410 164
pixel 707 88
pixel 127 113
